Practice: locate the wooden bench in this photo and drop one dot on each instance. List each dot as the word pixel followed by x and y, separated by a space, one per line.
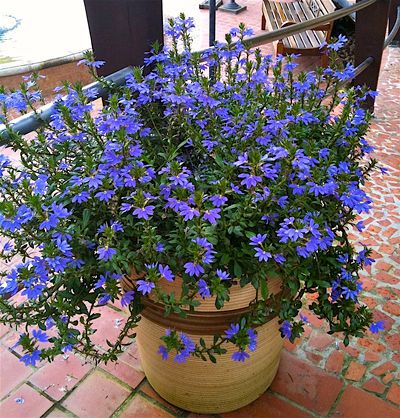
pixel 279 14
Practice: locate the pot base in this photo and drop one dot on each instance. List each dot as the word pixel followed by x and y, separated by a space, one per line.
pixel 203 387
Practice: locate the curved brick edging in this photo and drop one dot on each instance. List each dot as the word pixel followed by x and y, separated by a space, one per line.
pixel 55 72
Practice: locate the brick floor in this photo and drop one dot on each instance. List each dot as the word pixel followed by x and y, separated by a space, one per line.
pixel 318 376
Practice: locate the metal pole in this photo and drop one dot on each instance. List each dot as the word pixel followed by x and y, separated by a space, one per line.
pixel 394 4
pixel 211 33
pixel 205 4
pixel 212 16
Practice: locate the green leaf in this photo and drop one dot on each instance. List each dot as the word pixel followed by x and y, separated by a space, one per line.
pixel 85 218
pixel 264 288
pixel 237 270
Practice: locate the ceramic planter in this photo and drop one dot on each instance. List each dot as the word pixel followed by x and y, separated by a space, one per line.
pixel 200 386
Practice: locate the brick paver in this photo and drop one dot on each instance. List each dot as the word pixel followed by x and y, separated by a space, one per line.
pixel 25 402
pixel 61 376
pixel 318 376
pixel 140 407
pixel 306 385
pixel 98 396
pixel 356 403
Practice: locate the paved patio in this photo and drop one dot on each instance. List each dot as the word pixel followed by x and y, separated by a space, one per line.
pixel 318 376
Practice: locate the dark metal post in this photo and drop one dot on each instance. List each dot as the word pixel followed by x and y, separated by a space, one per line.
pixel 371 24
pixel 205 4
pixel 211 32
pixel 394 4
pixel 233 7
pixel 123 30
pixel 212 16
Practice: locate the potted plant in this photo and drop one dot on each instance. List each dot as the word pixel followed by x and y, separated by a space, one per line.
pixel 209 206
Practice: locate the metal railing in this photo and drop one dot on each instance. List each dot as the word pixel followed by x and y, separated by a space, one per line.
pixel 29 122
pixel 394 30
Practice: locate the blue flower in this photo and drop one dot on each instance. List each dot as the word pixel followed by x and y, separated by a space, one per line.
pixel 249 180
pixel 81 197
pixel 106 253
pixel 232 331
pixel 279 258
pixel 204 290
pixel 335 46
pixel 375 327
pixel 8 246
pixel 349 293
pixel 223 275
pixel 127 298
pixel 49 323
pixel 252 339
pixel 240 356
pixel 188 212
pixel 64 247
pixel 286 329
pixel 166 272
pixel 40 336
pixel 163 351
pixel 105 195
pixel 212 215
pixel 93 64
pixel 145 287
pixel 188 347
pixel 262 255
pixel 304 318
pixel 218 200
pixel 193 269
pixel 104 298
pixel 144 212
pixel 258 239
pixel 100 282
pixel 31 359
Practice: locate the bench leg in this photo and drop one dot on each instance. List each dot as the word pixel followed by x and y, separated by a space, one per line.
pixel 280 48
pixel 263 21
pixel 324 57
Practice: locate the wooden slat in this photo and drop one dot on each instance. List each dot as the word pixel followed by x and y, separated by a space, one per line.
pixel 271 21
pixel 299 17
pixel 299 38
pixel 326 6
pixel 314 36
pixel 278 13
pixel 290 41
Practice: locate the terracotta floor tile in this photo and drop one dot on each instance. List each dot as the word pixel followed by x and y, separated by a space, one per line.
pixel 12 372
pixel 108 326
pixel 25 402
pixel 96 397
pixel 57 413
pixel 124 372
pixel 268 406
pixel 140 407
pixel 3 330
pixel 306 385
pixel 394 394
pixel 60 376
pixel 149 391
pixel 131 357
pixel 356 403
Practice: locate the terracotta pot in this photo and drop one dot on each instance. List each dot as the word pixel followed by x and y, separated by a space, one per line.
pixel 201 386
